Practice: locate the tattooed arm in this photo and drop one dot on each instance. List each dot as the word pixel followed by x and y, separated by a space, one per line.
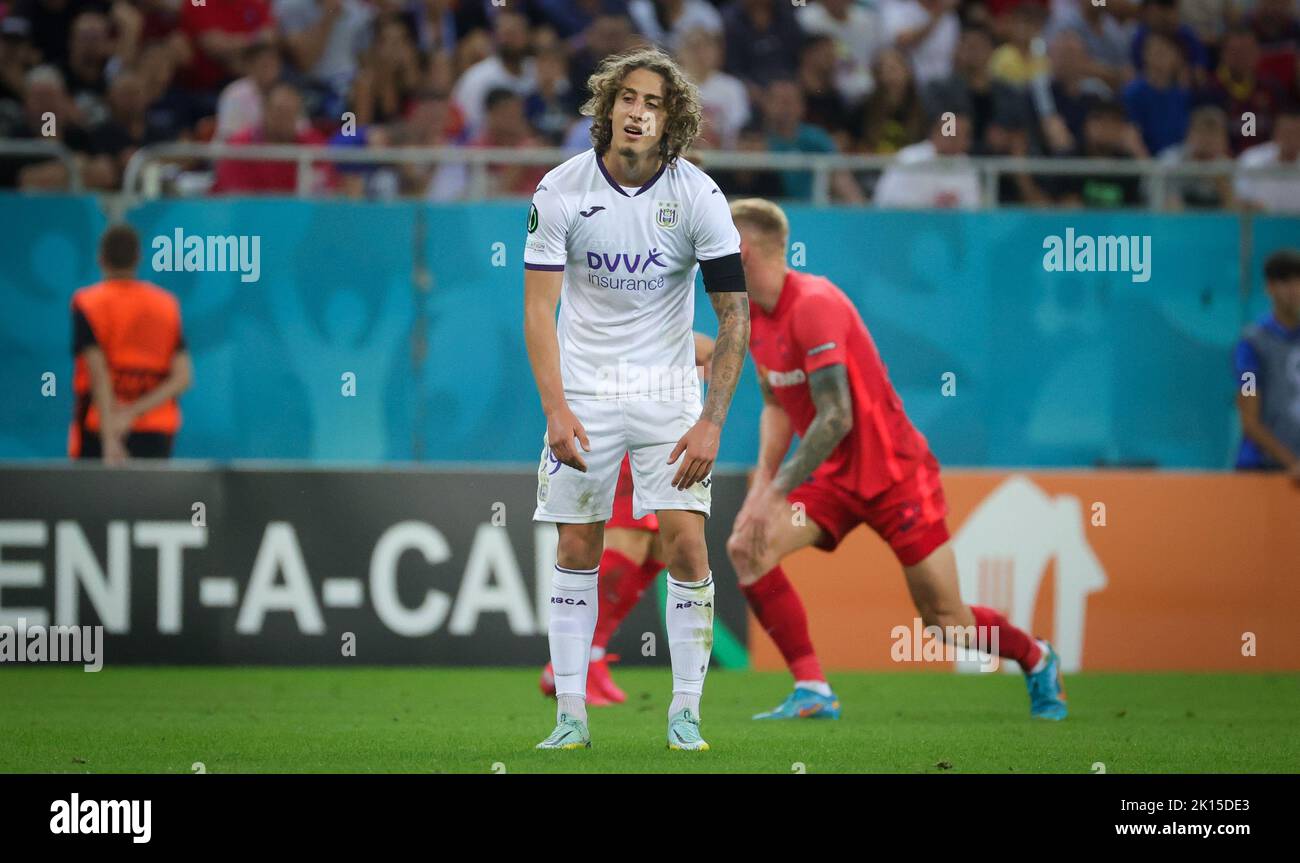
pixel 732 308
pixel 700 444
pixel 834 402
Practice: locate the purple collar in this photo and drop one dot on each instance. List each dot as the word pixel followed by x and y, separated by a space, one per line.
pixel 600 163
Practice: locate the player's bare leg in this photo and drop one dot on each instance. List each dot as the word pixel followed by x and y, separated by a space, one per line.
pixel 572 622
pixel 936 594
pixel 779 610
pixel 689 621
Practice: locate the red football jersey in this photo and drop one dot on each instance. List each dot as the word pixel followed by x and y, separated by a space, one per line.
pixel 815 325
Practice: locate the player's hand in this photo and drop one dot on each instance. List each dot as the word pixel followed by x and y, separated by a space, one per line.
pixel 562 428
pixel 700 447
pixel 113 441
pixel 762 506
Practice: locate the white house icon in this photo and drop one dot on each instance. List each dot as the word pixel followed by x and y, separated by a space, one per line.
pixel 1003 549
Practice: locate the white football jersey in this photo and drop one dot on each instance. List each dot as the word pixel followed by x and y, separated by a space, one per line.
pixel 629 258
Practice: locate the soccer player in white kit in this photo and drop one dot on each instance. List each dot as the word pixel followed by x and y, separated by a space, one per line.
pixel 615 237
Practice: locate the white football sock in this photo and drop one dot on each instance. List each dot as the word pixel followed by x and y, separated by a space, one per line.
pixel 689 618
pixel 684 699
pixel 1042 660
pixel 570 630
pixel 573 705
pixel 821 687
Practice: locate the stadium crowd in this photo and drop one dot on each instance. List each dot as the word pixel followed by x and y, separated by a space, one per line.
pixel 1175 80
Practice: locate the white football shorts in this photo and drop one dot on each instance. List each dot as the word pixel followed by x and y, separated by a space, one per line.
pixel 648 429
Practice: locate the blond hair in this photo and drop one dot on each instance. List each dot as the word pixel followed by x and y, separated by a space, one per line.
pixel 681 100
pixel 764 217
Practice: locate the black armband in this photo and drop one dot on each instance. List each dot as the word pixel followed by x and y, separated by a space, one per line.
pixel 723 274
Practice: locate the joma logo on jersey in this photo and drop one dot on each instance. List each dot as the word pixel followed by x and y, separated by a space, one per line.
pixel 693 603
pixel 785 379
pixel 567 600
pixel 625 261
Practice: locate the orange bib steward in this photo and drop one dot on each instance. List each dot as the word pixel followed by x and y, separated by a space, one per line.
pixel 138 327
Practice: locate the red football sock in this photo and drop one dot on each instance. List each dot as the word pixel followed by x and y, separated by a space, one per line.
pixel 780 610
pixel 621 584
pixel 1013 643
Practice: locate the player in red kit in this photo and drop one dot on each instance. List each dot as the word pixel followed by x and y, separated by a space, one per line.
pixel 631 560
pixel 859 461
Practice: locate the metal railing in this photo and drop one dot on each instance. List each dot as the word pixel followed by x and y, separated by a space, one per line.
pixel 15 149
pixel 143 177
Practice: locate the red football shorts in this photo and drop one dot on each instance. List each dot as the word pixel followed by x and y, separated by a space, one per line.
pixel 909 515
pixel 622 516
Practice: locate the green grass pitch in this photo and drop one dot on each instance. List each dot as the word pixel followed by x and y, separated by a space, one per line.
pixel 431 720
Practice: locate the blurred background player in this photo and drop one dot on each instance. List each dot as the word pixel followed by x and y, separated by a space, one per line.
pixel 859 459
pixel 1269 351
pixel 130 360
pixel 633 556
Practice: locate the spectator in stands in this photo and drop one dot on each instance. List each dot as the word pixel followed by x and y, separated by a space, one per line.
pixel 551 106
pixel 1207 141
pixel 1107 134
pixel 435 25
pixel 969 89
pixel 1268 390
pixel 130 363
pixel 170 108
pixel 892 117
pixel 1274 194
pixel 1009 134
pixel 127 128
pixel 49 23
pixel 1017 62
pixel 504 126
pixel 17 55
pixel 858 37
pixel 326 40
pixel 1073 92
pixel 609 33
pixel 1157 100
pixel 926 31
pixel 763 41
pixel 746 183
pixel 903 185
pixel 240 105
pixel 1209 19
pixel 358 179
pixel 572 18
pixel 48 114
pixel 1105 41
pixel 1278 32
pixel 389 75
pixel 1236 89
pixel 1161 16
pixel 283 122
pixel 823 105
pixel 723 97
pixel 783 115
pixel 90 48
pixel 218 35
pixel 666 22
pixel 509 68
pixel 431 123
